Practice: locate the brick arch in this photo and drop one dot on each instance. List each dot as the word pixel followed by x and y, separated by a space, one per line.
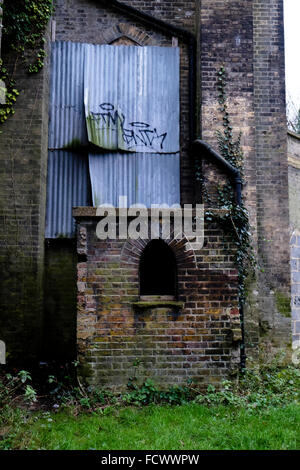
pixel 184 254
pixel 124 33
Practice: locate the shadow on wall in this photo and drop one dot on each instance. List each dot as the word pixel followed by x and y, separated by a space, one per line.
pixel 59 341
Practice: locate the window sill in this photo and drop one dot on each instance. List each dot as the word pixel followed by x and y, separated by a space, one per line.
pixel 153 301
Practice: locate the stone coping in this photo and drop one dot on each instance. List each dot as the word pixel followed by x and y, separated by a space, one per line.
pixel 82 212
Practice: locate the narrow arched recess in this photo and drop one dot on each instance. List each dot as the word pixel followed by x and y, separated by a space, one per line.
pixel 158 270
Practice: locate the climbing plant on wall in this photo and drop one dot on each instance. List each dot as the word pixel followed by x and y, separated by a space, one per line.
pixel 8 94
pixel 24 24
pixel 236 217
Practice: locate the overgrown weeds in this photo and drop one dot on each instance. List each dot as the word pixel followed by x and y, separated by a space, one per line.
pixel 14 386
pixel 53 401
pixel 270 385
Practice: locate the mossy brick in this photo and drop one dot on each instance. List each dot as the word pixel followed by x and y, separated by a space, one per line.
pixel 237 37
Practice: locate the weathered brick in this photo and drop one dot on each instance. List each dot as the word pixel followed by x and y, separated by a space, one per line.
pixel 247 38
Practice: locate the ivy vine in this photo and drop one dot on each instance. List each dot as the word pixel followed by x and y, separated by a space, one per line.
pixel 24 24
pixel 234 218
pixel 8 94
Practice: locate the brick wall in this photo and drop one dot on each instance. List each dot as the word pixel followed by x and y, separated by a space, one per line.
pixel 247 38
pixel 295 265
pixel 294 198
pixel 226 40
pixel 272 171
pixel 23 155
pixel 23 166
pixel 60 297
pixel 195 340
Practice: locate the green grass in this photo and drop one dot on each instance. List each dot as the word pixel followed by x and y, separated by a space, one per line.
pixel 191 426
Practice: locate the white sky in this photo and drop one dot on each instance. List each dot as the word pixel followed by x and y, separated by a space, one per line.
pixel 292 50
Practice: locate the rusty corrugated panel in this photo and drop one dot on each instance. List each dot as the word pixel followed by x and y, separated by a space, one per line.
pixel 67 127
pixel 143 178
pixel 131 97
pixel 68 185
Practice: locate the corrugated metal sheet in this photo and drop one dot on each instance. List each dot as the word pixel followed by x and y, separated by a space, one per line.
pixel 131 97
pixel 144 86
pixel 68 185
pixel 132 93
pixel 67 125
pixel 143 178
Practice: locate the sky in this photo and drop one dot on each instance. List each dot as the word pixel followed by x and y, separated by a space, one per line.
pixel 292 53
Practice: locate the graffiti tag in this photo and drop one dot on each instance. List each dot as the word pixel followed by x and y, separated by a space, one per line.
pixel 133 134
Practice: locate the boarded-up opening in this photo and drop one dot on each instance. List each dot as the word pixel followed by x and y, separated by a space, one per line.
pixel 114 125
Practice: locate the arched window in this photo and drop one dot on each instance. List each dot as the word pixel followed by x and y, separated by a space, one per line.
pixel 158 273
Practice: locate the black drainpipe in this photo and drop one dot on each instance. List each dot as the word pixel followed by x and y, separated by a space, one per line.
pixel 199 146
pixel 208 153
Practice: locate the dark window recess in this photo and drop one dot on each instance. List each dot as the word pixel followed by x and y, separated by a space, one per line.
pixel 158 273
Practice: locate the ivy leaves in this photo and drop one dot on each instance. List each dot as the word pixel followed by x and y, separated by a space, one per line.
pixel 236 219
pixel 231 150
pixel 24 24
pixel 8 94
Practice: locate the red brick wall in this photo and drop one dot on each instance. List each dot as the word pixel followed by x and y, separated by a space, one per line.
pixel 246 38
pixel 174 344
pixel 243 35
